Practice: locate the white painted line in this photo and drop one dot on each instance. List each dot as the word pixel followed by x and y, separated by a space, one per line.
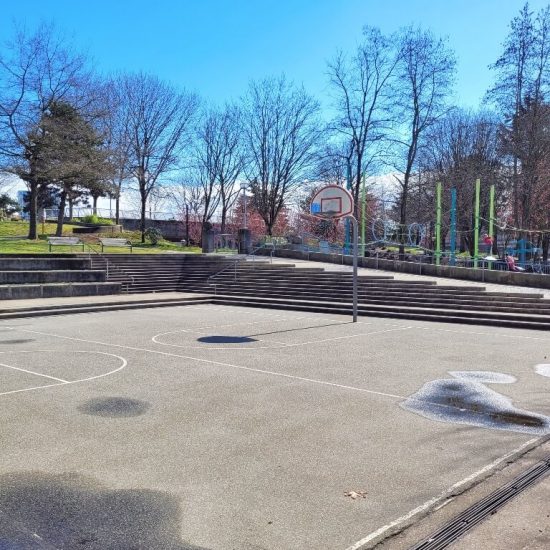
pixel 433 502
pixel 35 373
pixel 124 363
pixel 279 319
pixel 279 345
pixel 217 363
pixel 34 388
pixel 491 334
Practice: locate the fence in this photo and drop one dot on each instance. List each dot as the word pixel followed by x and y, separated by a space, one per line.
pixel 81 212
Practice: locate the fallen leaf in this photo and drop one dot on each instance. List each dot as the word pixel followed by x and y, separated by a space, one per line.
pixel 356 494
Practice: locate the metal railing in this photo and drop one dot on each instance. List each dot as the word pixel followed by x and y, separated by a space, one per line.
pixel 238 261
pixel 110 267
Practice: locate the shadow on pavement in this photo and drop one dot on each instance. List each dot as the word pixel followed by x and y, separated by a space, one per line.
pixel 70 511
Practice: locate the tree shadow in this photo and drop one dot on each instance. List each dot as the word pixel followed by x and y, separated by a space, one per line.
pixel 68 511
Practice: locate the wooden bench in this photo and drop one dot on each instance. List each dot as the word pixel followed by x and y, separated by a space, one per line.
pixel 115 242
pixel 64 241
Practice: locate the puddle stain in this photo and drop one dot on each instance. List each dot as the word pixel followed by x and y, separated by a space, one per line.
pixel 543 369
pixel 18 341
pixel 114 407
pixel 488 377
pixel 462 401
pixel 75 511
pixel 226 339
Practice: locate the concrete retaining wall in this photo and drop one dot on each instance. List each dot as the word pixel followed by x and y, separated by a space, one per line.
pixel 482 275
pixel 20 292
pixel 170 229
pixel 41 263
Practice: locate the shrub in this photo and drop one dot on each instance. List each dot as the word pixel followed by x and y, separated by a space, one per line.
pixel 154 235
pixel 95 220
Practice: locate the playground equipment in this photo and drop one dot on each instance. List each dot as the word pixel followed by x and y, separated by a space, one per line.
pixel 429 237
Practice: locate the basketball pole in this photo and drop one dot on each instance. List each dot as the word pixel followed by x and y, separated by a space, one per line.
pixel 355 225
pixel 476 224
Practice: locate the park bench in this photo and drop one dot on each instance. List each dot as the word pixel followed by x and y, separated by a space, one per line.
pixel 64 241
pixel 115 242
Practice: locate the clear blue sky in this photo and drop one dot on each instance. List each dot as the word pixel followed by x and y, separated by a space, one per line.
pixel 215 47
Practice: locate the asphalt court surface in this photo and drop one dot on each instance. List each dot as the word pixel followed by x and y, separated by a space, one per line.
pixel 216 427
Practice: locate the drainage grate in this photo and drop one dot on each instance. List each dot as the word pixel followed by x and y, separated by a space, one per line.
pixel 479 511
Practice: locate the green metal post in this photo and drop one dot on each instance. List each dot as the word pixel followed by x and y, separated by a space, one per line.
pixel 452 254
pixel 363 214
pixel 438 225
pixel 476 224
pixel 491 218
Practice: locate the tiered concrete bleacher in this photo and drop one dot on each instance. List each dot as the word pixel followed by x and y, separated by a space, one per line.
pixel 49 276
pixel 282 286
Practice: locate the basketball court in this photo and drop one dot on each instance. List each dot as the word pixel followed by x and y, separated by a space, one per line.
pixel 216 427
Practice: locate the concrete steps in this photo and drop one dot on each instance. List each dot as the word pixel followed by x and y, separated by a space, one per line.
pixel 52 276
pixel 24 277
pixel 56 290
pixel 260 284
pixel 419 314
pixel 17 313
pixel 457 302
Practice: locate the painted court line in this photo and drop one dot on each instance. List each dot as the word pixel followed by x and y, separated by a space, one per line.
pixel 123 365
pixel 279 319
pixel 218 363
pixel 35 373
pixel 479 333
pixel 434 502
pixel 280 345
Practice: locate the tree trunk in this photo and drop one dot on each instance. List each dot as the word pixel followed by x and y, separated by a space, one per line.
pixel 94 207
pixel 117 209
pixel 545 243
pixel 33 209
pixel 142 220
pixel 403 217
pixel 224 220
pixel 61 213
pixel 71 205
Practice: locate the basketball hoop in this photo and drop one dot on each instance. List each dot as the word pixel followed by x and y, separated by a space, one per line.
pixel 331 202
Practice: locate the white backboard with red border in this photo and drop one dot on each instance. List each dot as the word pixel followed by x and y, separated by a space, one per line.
pixel 332 201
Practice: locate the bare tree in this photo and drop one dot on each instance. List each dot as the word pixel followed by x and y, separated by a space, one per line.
pixel 118 142
pixel 333 162
pixel 231 158
pixel 520 92
pixel 219 160
pixel 424 76
pixel 159 120
pixel 282 134
pixel 37 70
pixel 461 147
pixel 361 87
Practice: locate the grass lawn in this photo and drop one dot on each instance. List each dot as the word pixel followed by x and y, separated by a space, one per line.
pixel 13 241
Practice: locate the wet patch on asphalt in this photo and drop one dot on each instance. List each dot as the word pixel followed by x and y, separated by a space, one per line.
pixel 114 407
pixel 466 400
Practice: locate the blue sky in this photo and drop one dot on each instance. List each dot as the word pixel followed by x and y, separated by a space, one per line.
pixel 214 47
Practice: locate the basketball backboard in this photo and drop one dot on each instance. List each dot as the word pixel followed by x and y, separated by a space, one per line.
pixel 332 201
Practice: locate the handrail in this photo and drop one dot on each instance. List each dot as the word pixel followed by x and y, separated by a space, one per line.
pixel 108 263
pixel 238 261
